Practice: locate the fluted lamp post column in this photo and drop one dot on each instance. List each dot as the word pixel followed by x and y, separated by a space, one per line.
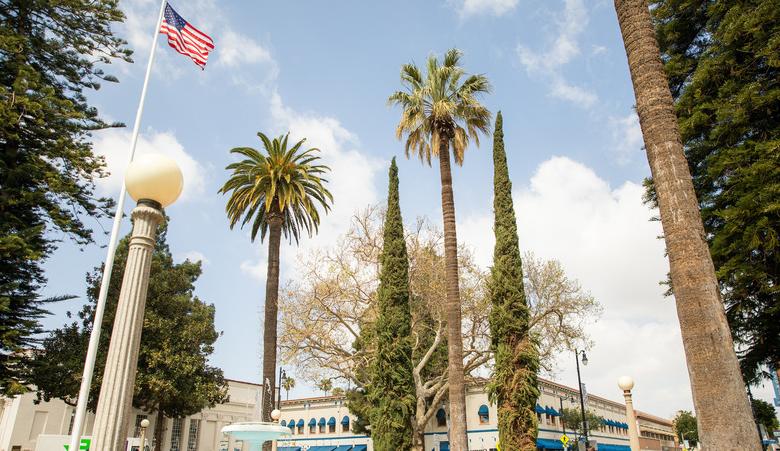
pixel 626 383
pixel 154 181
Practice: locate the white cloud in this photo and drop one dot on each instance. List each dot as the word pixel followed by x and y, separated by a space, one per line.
pixel 193 256
pixel 548 64
pixel 603 237
pixel 255 269
pixel 114 146
pixel 467 8
pixel 627 136
pixel 236 50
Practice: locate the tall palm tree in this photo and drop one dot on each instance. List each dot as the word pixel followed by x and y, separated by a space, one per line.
pixel 722 406
pixel 441 112
pixel 279 191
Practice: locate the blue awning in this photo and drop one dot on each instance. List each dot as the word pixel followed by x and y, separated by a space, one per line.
pixel 283 423
pixel 539 409
pixel 300 423
pixel 322 421
pixel 625 425
pixel 322 448
pixel 611 447
pixel 552 412
pixel 289 448
pixel 546 443
pixel 611 423
pixel 360 448
pixel 345 420
pixel 291 424
pixel 441 414
pixel 343 448
pixel 332 421
pixel 312 422
pixel 483 411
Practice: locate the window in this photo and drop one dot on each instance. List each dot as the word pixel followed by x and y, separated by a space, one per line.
pixel 345 424
pixel 138 420
pixel 193 436
pixel 300 428
pixel 441 418
pixel 176 434
pixel 72 419
pixel 484 414
pixel 332 425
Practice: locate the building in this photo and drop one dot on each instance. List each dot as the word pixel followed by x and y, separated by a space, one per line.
pixel 325 423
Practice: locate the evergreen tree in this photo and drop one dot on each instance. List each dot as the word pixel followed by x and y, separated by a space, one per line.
pixel 174 378
pixel 50 53
pixel 723 62
pixel 513 387
pixel 392 392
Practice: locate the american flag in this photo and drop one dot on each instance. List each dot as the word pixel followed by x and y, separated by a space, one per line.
pixel 185 38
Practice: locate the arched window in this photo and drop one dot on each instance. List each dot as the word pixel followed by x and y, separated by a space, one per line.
pixel 322 424
pixel 484 414
pixel 441 418
pixel 312 426
pixel 345 424
pixel 332 425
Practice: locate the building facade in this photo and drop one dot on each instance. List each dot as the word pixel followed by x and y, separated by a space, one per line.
pixel 325 423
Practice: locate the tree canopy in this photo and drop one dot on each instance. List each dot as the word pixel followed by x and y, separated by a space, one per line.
pixel 174 377
pixel 51 55
pixel 723 62
pixel 686 428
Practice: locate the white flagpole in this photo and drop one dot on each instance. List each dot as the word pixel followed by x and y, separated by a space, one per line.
pixel 94 338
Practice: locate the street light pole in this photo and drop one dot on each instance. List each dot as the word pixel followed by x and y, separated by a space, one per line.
pixel 582 397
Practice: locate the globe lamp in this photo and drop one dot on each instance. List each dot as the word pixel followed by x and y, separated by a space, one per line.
pixel 154 177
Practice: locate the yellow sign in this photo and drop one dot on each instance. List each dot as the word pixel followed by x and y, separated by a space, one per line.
pixel 498 446
pixel 565 440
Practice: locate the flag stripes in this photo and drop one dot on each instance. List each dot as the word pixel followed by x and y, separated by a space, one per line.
pixel 186 39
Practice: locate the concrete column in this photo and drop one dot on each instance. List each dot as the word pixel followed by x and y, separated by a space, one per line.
pixel 116 392
pixel 633 430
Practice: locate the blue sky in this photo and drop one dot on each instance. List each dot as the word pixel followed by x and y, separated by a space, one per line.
pixel 323 70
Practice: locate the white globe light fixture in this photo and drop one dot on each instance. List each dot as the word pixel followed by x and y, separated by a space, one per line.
pixel 626 383
pixel 276 414
pixel 154 177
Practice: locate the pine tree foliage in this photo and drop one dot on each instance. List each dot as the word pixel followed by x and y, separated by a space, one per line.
pixel 391 390
pixel 50 56
pixel 174 377
pixel 513 386
pixel 723 62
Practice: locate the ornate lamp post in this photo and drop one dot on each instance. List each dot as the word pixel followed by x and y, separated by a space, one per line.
pixel 626 383
pixel 577 355
pixel 154 181
pixel 144 425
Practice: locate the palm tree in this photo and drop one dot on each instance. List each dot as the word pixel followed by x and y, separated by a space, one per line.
pixel 722 406
pixel 441 112
pixel 288 384
pixel 277 192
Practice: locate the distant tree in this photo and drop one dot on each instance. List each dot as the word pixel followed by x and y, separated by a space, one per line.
pixel 174 378
pixel 391 391
pixel 573 419
pixel 686 428
pixel 442 112
pixel 325 386
pixel 766 415
pixel 721 57
pixel 278 190
pixel 288 384
pixel 513 386
pixel 50 56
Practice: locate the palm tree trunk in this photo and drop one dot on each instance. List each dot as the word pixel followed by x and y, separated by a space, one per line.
pixel 271 310
pixel 458 440
pixel 721 403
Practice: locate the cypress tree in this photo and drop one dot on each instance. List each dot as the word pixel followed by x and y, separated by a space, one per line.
pixel 513 387
pixel 391 392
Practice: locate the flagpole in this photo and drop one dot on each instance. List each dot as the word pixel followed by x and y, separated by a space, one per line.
pixel 94 338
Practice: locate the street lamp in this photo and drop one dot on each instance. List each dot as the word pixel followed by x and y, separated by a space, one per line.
pixel 626 383
pixel 577 356
pixel 144 425
pixel 154 181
